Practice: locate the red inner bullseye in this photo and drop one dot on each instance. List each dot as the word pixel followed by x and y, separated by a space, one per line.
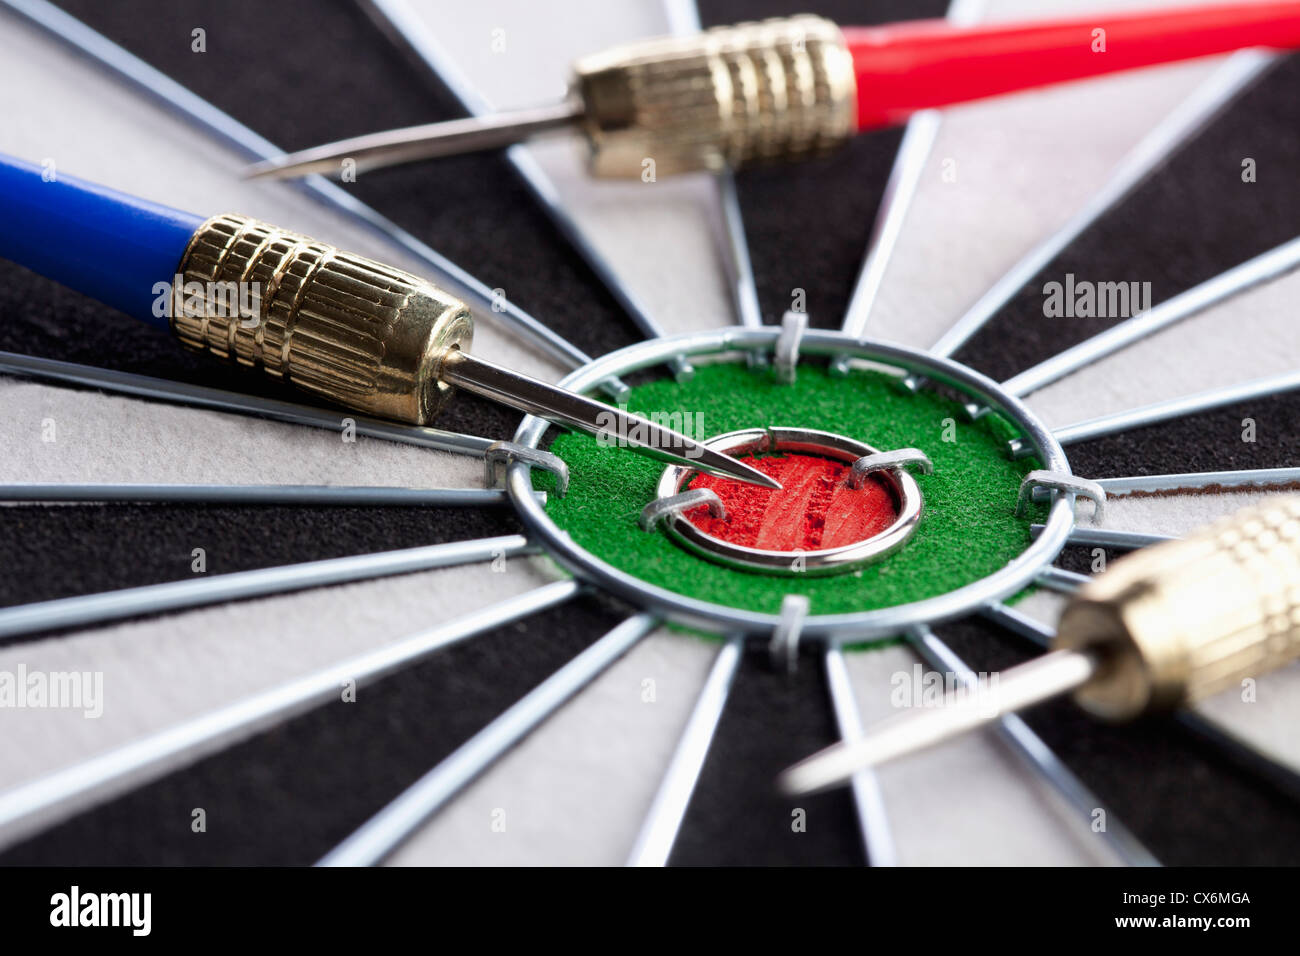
pixel 814 510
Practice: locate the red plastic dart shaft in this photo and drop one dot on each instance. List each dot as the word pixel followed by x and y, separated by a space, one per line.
pixel 921 64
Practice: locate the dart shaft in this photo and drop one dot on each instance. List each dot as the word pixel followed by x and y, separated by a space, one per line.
pixel 103 243
pixel 906 67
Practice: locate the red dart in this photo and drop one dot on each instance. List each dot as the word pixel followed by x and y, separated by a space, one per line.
pixel 786 89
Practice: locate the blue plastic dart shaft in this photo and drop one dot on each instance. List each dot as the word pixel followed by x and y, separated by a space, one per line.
pixel 108 245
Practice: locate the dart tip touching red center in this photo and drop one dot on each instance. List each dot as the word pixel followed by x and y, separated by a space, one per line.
pixel 815 508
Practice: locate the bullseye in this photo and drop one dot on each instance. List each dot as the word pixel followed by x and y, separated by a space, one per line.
pixel 814 509
pixel 817 523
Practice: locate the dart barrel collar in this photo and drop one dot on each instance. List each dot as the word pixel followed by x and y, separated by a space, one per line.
pixel 729 96
pixel 351 330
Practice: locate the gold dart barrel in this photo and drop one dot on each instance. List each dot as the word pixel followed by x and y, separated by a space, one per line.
pixel 777 89
pixel 1186 619
pixel 346 328
pixel 772 90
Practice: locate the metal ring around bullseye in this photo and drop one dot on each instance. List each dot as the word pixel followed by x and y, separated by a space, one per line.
pixel 750 441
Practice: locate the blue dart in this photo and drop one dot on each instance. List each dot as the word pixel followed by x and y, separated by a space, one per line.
pixel 346 328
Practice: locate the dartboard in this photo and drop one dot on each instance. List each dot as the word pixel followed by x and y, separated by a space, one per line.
pixel 525 678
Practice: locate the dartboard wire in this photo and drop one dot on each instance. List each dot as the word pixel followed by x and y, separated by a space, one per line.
pixel 388 829
pixel 1264 268
pixel 919 137
pixel 1018 623
pixel 740 268
pixel 684 19
pixel 1282 776
pixel 1108 538
pixel 214 399
pixel 654 841
pixel 95 609
pixel 1177 128
pixel 1061 581
pixel 1079 802
pixel 401 21
pixel 41 802
pixel 1245 479
pixel 212 121
pixel 868 802
pixel 376 496
pixel 1158 412
pixel 909 164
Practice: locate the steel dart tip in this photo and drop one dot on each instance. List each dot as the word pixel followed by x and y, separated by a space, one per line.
pixel 428 141
pixel 822 771
pixel 910 731
pixel 904 733
pixel 611 425
pixel 724 466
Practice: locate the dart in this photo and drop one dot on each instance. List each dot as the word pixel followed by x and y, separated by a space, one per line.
pixel 1170 625
pixel 343 327
pixel 787 89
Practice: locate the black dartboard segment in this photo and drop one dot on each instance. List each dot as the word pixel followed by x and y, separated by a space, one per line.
pixel 736 817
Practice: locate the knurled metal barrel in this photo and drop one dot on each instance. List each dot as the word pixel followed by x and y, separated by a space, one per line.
pixel 1185 619
pixel 775 89
pixel 346 328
